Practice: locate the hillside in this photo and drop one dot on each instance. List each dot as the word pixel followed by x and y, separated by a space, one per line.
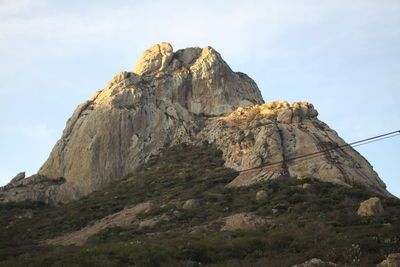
pixel 177 211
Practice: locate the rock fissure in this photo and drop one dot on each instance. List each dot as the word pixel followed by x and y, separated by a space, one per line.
pixel 284 157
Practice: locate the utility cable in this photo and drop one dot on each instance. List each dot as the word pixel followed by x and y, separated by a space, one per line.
pixel 318 153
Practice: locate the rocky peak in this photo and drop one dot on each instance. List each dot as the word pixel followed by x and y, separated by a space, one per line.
pixel 138 113
pixel 188 96
pixel 160 59
pixel 155 59
pixel 198 79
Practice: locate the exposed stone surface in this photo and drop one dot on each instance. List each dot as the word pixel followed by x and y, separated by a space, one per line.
pixel 197 79
pixel 261 195
pixel 181 97
pixel 27 214
pixel 154 60
pixel 152 222
pixel 149 223
pixel 191 204
pixel 244 221
pixel 35 187
pixel 393 260
pixel 17 178
pixel 370 207
pixel 260 142
pixel 122 218
pixel 109 136
pixel 316 263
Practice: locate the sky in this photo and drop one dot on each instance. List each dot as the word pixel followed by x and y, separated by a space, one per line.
pixel 341 55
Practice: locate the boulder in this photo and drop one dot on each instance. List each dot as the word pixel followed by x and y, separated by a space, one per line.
pixel 243 221
pixel 18 177
pixel 306 186
pixel 393 260
pixel 153 221
pixel 316 263
pixel 261 195
pixel 275 211
pixel 370 207
pixel 155 59
pixel 191 204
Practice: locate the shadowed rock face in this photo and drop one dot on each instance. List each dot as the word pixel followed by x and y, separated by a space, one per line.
pixel 180 97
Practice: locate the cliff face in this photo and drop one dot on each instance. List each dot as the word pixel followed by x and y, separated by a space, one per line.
pixel 269 141
pixel 197 79
pixel 181 97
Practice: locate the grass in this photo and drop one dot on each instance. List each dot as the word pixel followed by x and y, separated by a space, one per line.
pixel 319 221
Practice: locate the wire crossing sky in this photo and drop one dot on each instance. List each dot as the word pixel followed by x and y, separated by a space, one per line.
pixel 343 56
pixel 325 151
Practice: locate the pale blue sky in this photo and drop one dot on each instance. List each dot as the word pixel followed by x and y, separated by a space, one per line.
pixel 343 56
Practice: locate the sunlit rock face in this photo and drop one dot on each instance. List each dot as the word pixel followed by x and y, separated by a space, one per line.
pixel 270 141
pixel 197 79
pixel 187 96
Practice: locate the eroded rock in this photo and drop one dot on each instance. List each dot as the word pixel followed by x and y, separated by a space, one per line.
pixel 316 263
pixel 191 204
pixel 261 195
pixel 370 207
pixel 243 221
pixel 263 145
pixel 154 60
pixel 189 96
pixel 137 114
pixel 123 218
pixel 393 260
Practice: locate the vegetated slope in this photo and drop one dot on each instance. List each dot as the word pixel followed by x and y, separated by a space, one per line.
pixel 302 221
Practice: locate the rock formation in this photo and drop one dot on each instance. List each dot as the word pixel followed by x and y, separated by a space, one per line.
pixel 266 141
pixel 393 260
pixel 188 96
pixel 316 263
pixel 244 221
pixel 370 207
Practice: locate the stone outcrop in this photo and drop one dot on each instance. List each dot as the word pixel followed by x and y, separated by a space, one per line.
pixel 244 221
pixel 393 260
pixel 191 204
pixel 35 187
pixel 189 96
pixel 261 195
pixel 123 218
pixel 370 207
pixel 109 136
pixel 269 141
pixel 199 80
pixel 316 263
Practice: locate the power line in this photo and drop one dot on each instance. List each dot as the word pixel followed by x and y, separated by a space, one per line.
pixel 318 153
